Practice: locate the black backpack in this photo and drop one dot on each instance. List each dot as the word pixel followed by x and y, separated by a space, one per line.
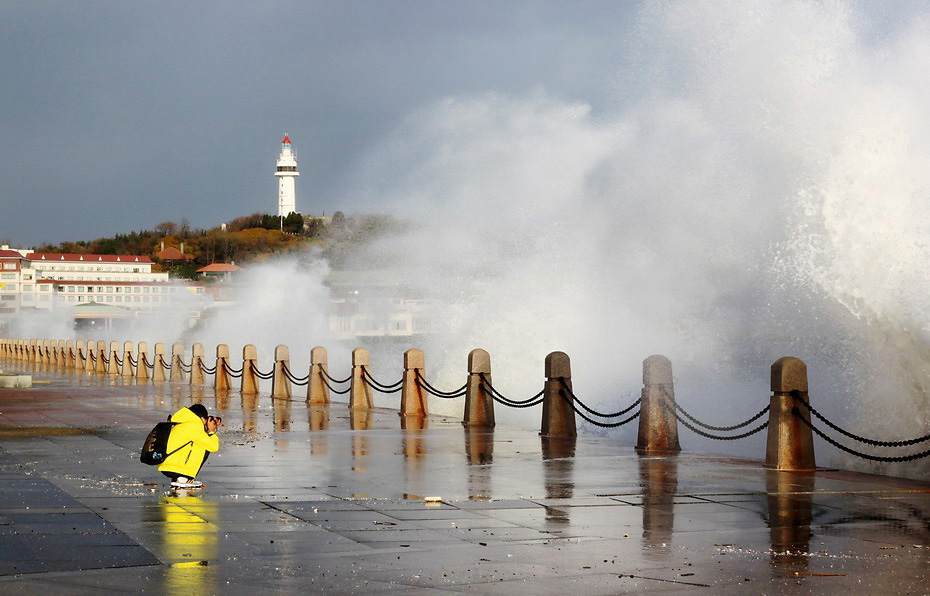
pixel 156 444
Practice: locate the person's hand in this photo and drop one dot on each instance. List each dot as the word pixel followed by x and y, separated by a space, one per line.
pixel 213 423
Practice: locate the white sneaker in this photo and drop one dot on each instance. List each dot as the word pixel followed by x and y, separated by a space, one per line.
pixel 187 483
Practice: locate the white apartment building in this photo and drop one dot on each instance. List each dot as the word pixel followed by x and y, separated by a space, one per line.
pixel 46 281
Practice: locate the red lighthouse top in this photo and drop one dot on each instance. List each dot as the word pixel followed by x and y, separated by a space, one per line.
pixel 286 139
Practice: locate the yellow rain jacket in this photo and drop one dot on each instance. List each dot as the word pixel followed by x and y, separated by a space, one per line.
pixel 194 443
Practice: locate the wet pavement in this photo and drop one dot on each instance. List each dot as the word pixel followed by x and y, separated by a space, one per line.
pixel 339 502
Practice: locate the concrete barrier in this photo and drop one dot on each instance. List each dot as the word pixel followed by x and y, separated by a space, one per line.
pixel 790 444
pixel 558 417
pixel 158 370
pixel 142 361
pixel 280 384
pixel 177 362
pixel 222 381
pixel 658 427
pixel 413 395
pixel 317 389
pixel 359 391
pixel 249 385
pixel 197 364
pixel 479 405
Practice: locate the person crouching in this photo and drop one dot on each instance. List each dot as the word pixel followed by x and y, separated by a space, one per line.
pixel 190 442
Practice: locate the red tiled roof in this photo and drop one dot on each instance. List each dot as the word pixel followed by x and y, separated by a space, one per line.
pixel 7 254
pixel 50 256
pixel 173 254
pixel 218 268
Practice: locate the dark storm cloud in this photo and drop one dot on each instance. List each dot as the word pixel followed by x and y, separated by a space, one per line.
pixel 120 115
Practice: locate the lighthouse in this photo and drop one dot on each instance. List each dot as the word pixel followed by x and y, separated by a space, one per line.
pixel 287 174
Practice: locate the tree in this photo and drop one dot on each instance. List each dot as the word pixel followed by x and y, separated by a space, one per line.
pixel 167 228
pixel 293 223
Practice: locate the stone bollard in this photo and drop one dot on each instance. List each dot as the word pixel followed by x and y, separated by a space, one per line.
pixel 317 389
pixel 80 355
pixel 359 391
pixel 100 366
pixel 249 384
pixel 113 364
pixel 158 370
pixel 222 381
pixel 479 405
pixel 790 443
pixel 197 364
pixel 46 352
pixel 90 360
pixel 142 361
pixel 127 370
pixel 70 354
pixel 177 362
pixel 658 426
pixel 412 394
pixel 280 384
pixel 558 418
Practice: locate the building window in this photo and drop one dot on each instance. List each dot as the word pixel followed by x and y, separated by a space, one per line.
pixel 9 266
pixel 7 276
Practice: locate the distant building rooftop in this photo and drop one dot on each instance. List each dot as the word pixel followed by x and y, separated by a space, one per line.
pixel 173 254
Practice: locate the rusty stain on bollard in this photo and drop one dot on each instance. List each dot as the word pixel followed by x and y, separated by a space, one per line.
pixel 359 391
pixel 317 389
pixel 558 418
pixel 412 394
pixel 100 367
pixel 197 354
pixel 280 384
pixel 223 380
pixel 658 427
pixel 479 406
pixel 790 444
pixel 177 362
pixel 158 371
pixel 249 385
pixel 142 361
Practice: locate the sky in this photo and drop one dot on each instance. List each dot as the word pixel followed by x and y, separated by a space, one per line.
pixel 117 116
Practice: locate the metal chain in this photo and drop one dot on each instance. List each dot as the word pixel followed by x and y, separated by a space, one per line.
pixel 820 434
pixel 571 402
pixel 336 391
pixel 368 380
pixel 443 394
pixel 258 373
pixel 715 437
pixel 336 381
pixel 513 403
pixel 292 378
pixel 204 369
pixel 862 439
pixel 566 388
pixel 721 428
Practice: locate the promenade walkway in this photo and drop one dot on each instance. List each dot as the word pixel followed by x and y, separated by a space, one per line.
pixel 332 501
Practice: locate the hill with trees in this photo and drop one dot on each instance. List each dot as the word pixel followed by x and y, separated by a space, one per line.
pixel 245 239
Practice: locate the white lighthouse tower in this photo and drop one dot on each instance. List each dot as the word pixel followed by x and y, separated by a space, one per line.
pixel 287 174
